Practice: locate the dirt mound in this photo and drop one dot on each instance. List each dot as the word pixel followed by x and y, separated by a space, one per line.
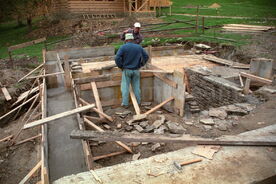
pixel 215 5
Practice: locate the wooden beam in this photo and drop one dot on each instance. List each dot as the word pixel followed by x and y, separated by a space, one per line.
pixel 46 75
pixel 67 72
pixel 108 155
pixel 91 124
pixel 256 78
pixel 134 100
pixel 247 86
pixel 6 138
pixel 30 72
pixel 97 98
pixel 5 115
pixel 28 139
pixel 96 110
pixel 22 45
pixel 58 116
pixel 99 78
pixel 31 173
pixel 6 93
pixel 159 105
pixel 187 139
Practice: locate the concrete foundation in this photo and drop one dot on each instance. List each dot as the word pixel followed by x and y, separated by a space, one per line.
pixel 229 165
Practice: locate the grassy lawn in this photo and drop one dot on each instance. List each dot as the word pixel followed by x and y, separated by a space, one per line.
pixel 242 8
pixel 12 35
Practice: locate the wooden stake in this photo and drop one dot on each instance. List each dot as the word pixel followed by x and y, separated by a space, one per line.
pixel 159 105
pixel 29 139
pixel 30 73
pixel 5 115
pixel 97 97
pixel 247 86
pixel 31 173
pixel 58 116
pixel 108 155
pixel 6 138
pixel 46 75
pixel 90 123
pixel 134 100
pixel 97 111
pixel 6 93
pixel 67 72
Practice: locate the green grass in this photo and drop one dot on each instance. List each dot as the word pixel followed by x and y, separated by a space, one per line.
pixel 243 8
pixel 12 35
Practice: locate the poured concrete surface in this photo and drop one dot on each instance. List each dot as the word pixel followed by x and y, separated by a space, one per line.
pixel 65 155
pixel 230 165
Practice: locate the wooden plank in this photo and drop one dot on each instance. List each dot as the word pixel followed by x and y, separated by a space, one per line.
pixel 134 100
pixel 256 78
pixel 187 139
pixel 31 173
pixel 108 155
pixel 247 86
pixel 46 75
pixel 67 72
pixel 159 105
pixel 97 98
pixel 96 110
pixel 6 138
pixel 166 80
pixel 58 116
pixel 30 72
pixel 99 78
pixel 23 95
pixel 28 139
pixel 26 44
pixel 90 123
pixel 5 115
pixel 6 93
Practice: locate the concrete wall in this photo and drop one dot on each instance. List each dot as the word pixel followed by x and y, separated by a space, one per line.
pixel 211 91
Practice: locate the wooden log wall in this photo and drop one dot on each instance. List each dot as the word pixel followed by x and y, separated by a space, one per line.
pixel 160 3
pixel 99 6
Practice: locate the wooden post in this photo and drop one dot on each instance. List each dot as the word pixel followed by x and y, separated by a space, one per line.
pixel 150 53
pixel 67 72
pixel 203 27
pixel 246 86
pixel 97 98
pixel 134 100
pixel 11 60
pixel 170 10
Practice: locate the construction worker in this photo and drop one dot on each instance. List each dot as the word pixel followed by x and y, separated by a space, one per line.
pixel 138 38
pixel 130 58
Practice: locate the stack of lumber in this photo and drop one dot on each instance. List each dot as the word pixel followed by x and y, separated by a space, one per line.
pixel 226 62
pixel 246 28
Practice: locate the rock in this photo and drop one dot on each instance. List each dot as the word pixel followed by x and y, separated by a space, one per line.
pixel 189 122
pixel 123 114
pixel 160 130
pixel 136 156
pixel 146 103
pixel 128 128
pixel 207 121
pixel 119 125
pixel 159 112
pixel 193 103
pixel 147 108
pixel 233 109
pixel 138 128
pixel 207 127
pixel 135 132
pixel 204 113
pixel 145 143
pixel 144 124
pixel 246 106
pixel 137 118
pixel 222 126
pixel 175 128
pixel 155 147
pixel 194 110
pixel 158 123
pixel 135 144
pixel 218 112
pixel 149 128
pixel 106 127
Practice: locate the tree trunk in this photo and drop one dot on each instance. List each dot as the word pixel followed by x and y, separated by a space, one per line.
pixel 29 22
pixel 19 21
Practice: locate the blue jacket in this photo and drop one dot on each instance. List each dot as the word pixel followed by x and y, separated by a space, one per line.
pixel 131 56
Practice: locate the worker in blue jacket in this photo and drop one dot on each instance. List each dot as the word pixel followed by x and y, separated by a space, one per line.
pixel 130 58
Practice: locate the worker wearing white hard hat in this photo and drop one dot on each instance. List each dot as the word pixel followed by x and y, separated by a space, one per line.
pixel 138 38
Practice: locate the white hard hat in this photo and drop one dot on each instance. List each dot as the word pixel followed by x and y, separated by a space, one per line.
pixel 129 36
pixel 137 24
